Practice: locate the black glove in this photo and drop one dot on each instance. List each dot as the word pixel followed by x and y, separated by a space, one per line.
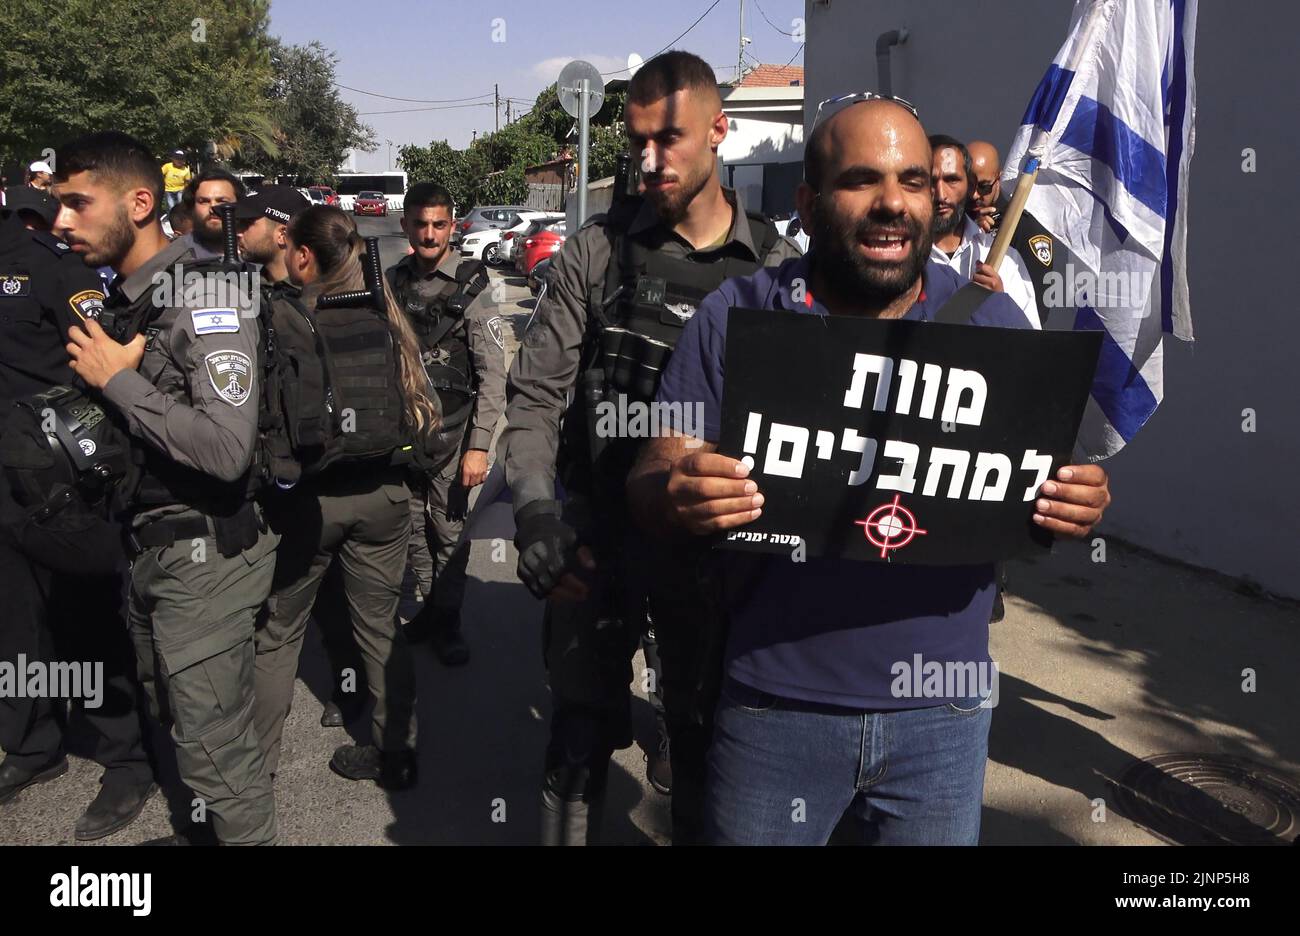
pixel 548 547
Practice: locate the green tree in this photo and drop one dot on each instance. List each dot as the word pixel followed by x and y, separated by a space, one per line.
pixel 438 162
pixel 314 127
pixel 491 170
pixel 184 73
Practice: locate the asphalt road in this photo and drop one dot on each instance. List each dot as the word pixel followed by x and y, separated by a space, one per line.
pixel 1101 662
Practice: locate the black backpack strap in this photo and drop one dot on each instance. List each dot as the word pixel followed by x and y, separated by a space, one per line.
pixel 471 277
pixel 442 329
pixel 963 304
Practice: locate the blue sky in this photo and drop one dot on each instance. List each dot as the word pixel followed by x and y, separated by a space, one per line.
pixel 439 50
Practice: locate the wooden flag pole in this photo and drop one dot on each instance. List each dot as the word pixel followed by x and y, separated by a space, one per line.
pixel 1011 217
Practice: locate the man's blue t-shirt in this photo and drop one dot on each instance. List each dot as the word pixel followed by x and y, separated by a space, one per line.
pixel 832 631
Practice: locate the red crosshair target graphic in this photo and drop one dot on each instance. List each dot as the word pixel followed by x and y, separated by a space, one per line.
pixel 890 526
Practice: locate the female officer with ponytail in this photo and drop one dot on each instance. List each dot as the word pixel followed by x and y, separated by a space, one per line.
pixel 351 505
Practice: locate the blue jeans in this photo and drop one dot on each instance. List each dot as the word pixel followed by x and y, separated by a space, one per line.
pixel 783 772
pixel 172 199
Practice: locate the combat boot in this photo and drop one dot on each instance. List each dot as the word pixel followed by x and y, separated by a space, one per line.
pixel 392 770
pixel 14 779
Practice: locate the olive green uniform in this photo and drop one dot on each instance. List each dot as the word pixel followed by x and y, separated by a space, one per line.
pixel 588 651
pixel 191 609
pixel 359 517
pixel 438 500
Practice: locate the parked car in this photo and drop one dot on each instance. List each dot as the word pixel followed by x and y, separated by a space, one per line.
pixel 489 244
pixel 514 237
pixel 540 276
pixel 371 203
pixel 534 227
pixel 500 217
pixel 542 245
pixel 326 195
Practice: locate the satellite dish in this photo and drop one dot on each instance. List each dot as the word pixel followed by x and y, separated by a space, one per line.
pixel 570 83
pixel 634 63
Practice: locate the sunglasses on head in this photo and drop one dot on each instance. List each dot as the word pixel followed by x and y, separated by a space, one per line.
pixel 843 100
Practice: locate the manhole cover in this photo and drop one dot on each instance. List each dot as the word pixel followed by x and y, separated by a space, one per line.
pixel 1202 799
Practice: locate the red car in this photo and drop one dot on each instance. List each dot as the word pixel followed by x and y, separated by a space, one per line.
pixel 371 203
pixel 322 195
pixel 541 246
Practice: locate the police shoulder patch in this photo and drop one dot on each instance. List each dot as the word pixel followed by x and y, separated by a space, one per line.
pixel 494 329
pixel 215 321
pixel 1041 245
pixel 88 303
pixel 15 285
pixel 231 373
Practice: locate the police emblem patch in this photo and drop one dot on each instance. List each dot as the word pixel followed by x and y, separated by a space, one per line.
pixel 494 329
pixel 88 303
pixel 15 285
pixel 1041 245
pixel 231 373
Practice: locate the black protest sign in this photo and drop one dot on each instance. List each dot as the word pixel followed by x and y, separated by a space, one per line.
pixel 899 441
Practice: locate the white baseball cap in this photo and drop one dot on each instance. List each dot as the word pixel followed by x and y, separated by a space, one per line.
pixel 39 166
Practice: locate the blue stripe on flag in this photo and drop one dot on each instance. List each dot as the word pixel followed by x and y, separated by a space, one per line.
pixel 1136 164
pixel 1048 98
pixel 1176 109
pixel 1118 386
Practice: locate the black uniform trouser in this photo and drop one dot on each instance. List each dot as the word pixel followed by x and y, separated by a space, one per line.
pixel 51 616
pixel 588 648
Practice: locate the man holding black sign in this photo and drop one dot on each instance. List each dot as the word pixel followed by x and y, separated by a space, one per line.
pixel 815 720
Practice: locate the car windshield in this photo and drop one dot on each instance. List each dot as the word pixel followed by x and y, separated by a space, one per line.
pixel 372 196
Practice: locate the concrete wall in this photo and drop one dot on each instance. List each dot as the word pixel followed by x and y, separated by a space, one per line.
pixel 765 131
pixel 1192 485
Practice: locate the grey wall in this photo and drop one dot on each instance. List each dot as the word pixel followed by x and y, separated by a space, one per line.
pixel 1192 485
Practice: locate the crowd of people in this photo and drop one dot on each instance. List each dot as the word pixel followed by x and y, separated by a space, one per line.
pixel 771 676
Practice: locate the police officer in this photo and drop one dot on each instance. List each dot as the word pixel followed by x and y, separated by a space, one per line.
pixel 184 377
pixel 263 218
pixel 353 511
pixel 463 348
pixel 642 269
pixel 33 207
pixel 61 571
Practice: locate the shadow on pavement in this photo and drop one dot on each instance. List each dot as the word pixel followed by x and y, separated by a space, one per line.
pixel 1189 667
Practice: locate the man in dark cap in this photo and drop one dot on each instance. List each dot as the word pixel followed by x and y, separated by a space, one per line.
pixel 263 217
pixel 35 209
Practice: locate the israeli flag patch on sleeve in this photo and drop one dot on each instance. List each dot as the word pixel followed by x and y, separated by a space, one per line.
pixel 215 321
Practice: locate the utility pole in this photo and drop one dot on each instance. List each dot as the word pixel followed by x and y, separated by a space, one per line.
pixel 740 53
pixel 496 106
pixel 507 112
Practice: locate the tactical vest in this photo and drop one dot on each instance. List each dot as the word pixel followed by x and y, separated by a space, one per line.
pixel 294 422
pixel 649 297
pixel 440 327
pixel 657 294
pixel 363 397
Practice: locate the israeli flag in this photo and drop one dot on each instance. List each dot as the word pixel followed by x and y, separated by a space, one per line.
pixel 1111 126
